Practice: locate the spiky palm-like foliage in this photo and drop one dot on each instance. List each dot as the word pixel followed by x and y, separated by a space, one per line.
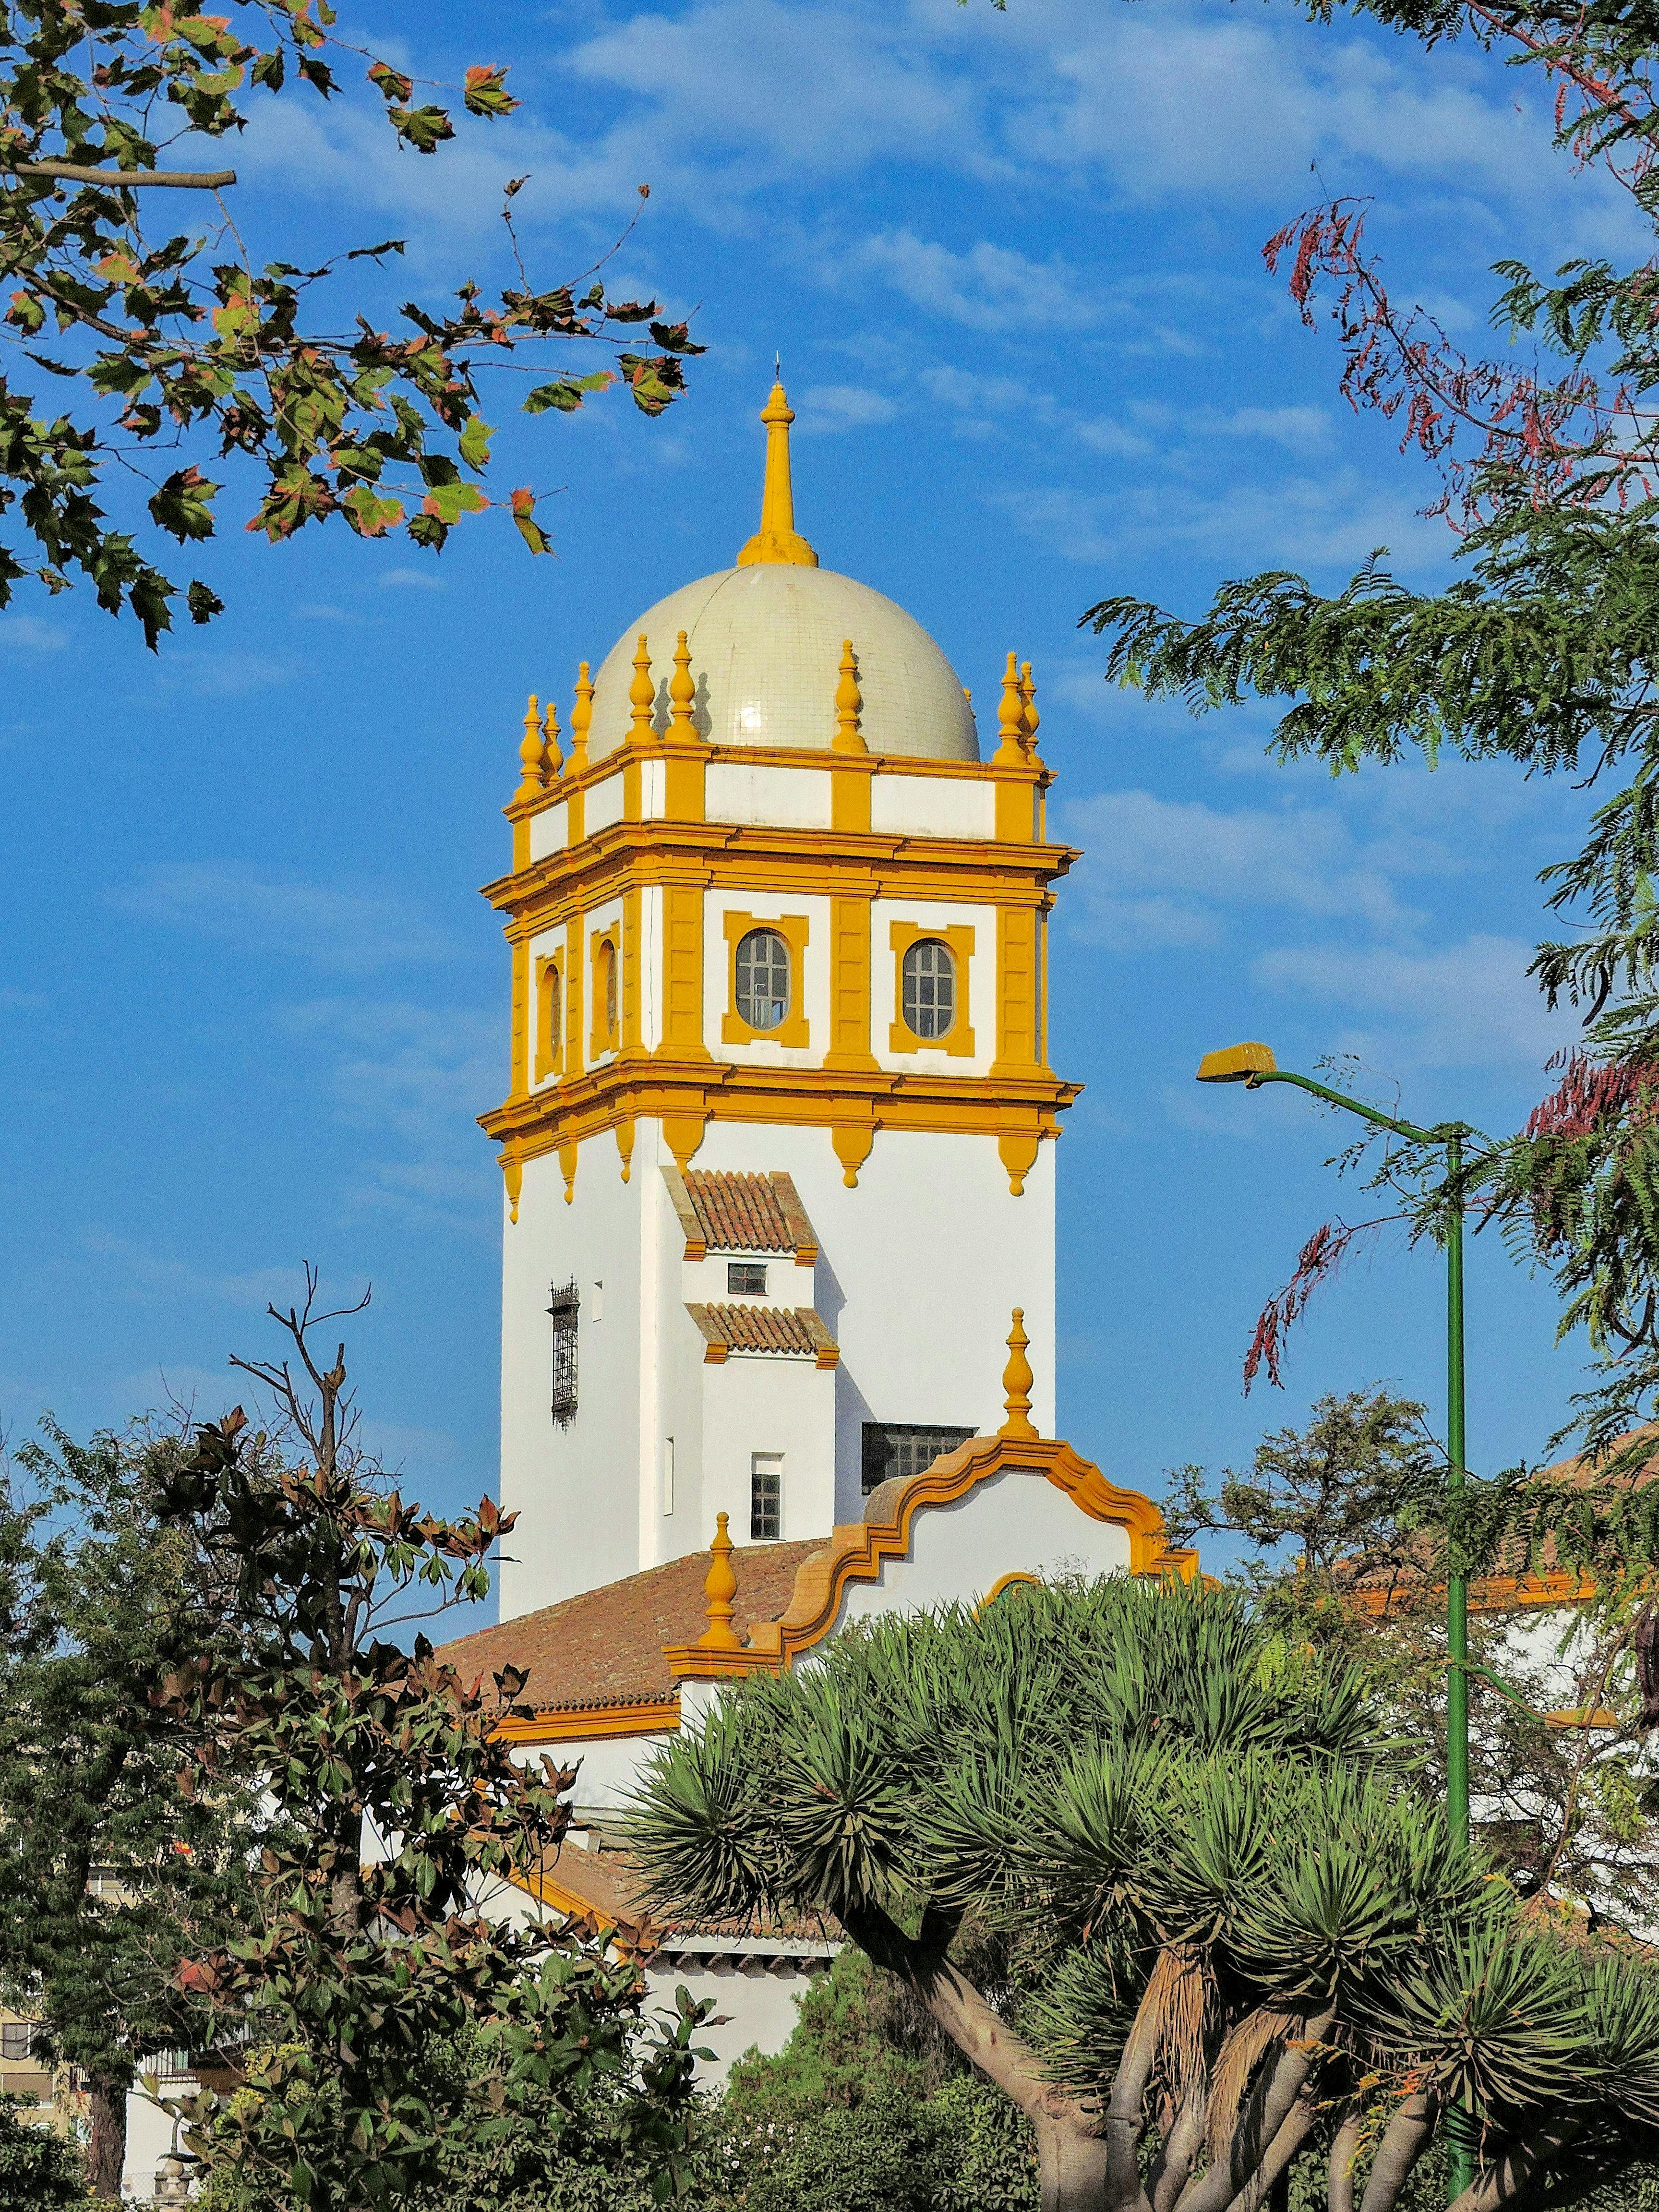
pixel 1232 1927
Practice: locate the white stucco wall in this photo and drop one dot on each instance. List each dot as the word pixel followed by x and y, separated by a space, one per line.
pixel 576 1490
pixel 809 990
pixel 1015 1523
pixel 757 2004
pixel 981 1007
pixel 785 797
pixel 602 805
pixel 932 806
pixel 549 831
pixel 761 1402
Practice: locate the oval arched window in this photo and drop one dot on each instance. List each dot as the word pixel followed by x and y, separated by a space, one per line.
pixel 610 990
pixel 929 987
pixel 762 978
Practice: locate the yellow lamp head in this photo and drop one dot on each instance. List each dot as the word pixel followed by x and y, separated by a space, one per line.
pixel 1238 1063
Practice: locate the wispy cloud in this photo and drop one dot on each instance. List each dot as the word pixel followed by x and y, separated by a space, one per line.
pixel 986 287
pixel 333 926
pixel 21 632
pixel 1468 1005
pixel 412 580
pixel 825 408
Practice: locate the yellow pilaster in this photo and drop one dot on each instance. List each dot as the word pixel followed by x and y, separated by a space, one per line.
pixel 521 1018
pixel 682 976
pixel 631 973
pixel 1017 992
pixel 849 984
pixel 573 996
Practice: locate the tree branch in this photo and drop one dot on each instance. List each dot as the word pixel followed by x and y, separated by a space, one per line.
pixel 1281 2151
pixel 1345 2150
pixel 122 181
pixel 1404 2141
pixel 1271 2105
pixel 1517 2169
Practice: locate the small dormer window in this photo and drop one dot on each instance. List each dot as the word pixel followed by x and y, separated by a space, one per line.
pixel 745 1279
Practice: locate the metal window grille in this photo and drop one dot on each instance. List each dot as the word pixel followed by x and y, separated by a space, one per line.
pixel 765 1497
pixel 930 987
pixel 17 2040
pixel 897 1449
pixel 609 958
pixel 565 1307
pixel 762 978
pixel 745 1279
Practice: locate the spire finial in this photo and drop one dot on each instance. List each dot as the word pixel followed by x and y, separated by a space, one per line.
pixel 1029 718
pixel 534 771
pixel 1011 719
pixel 1017 1381
pixel 642 695
pixel 849 705
pixel 581 721
pixel 777 538
pixel 552 757
pixel 719 1588
pixel 681 693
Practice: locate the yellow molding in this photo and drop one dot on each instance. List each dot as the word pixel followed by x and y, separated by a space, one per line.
pixel 851 781
pixel 565 1724
pixel 850 985
pixel 573 996
pixel 1017 991
pixel 858 1550
pixel 520 1067
pixel 682 965
pixel 630 971
pixel 1008 1582
pixel 958 1040
pixel 793 1030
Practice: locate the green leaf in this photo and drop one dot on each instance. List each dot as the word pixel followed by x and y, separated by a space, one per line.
pixel 474 444
pixel 567 394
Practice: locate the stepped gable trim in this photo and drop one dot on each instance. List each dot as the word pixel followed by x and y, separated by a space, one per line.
pixel 858 1549
pixel 724 1212
pixel 788 1331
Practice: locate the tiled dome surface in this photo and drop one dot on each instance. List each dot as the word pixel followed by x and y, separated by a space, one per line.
pixel 766 644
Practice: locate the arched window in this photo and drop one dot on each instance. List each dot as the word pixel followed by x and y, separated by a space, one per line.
pixel 929 995
pixel 550 1038
pixel 762 978
pixel 608 961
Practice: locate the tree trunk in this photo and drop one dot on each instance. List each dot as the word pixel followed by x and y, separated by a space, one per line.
pixel 1072 2167
pixel 106 2152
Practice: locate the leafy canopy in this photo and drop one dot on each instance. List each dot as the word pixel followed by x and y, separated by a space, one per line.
pixel 170 352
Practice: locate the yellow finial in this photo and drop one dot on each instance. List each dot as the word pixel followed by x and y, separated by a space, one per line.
pixel 581 721
pixel 552 758
pixel 776 539
pixel 534 773
pixel 849 705
pixel 642 695
pixel 1017 1381
pixel 1011 719
pixel 1030 717
pixel 719 1588
pixel 681 693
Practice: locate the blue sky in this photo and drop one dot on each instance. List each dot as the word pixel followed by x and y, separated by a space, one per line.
pixel 251 1001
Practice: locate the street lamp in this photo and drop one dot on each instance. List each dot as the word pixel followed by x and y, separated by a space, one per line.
pixel 1253 1065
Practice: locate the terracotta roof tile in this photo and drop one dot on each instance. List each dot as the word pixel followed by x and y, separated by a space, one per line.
pixel 726 1213
pixel 795 1329
pixel 604 1646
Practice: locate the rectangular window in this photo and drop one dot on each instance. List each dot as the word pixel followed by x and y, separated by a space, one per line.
pixel 745 1279
pixel 765 1497
pixel 893 1449
pixel 17 2040
pixel 565 1307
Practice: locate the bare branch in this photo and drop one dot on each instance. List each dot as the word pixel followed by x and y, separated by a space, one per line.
pixel 123 180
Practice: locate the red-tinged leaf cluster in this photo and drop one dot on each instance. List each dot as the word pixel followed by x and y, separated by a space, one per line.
pixel 1319 1259
pixel 169 347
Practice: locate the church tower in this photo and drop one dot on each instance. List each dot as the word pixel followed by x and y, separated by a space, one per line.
pixel 774 1148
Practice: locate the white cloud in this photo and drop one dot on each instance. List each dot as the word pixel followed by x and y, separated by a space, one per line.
pixel 27 633
pixel 412 580
pixel 1469 1004
pixel 986 288
pixel 334 925
pixel 1298 429
pixel 1165 872
pixel 826 407
pixel 222 675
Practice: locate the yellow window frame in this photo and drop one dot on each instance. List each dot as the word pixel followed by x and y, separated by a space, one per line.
pixel 605 1033
pixel 549 986
pixel 958 940
pixel 795 1029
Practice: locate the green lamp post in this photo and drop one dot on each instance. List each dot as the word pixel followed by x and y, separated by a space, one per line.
pixel 1253 1065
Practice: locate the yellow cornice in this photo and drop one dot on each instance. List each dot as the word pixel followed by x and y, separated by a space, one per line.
pixel 822 758
pixel 564 1724
pixel 858 1550
pixel 649 1087
pixel 753 857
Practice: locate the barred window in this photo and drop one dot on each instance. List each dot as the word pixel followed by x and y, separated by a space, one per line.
pixel 896 1449
pixel 929 1000
pixel 17 2040
pixel 762 978
pixel 765 1497
pixel 745 1279
pixel 564 1310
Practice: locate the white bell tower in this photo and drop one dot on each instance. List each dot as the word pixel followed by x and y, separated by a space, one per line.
pixel 775 1149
